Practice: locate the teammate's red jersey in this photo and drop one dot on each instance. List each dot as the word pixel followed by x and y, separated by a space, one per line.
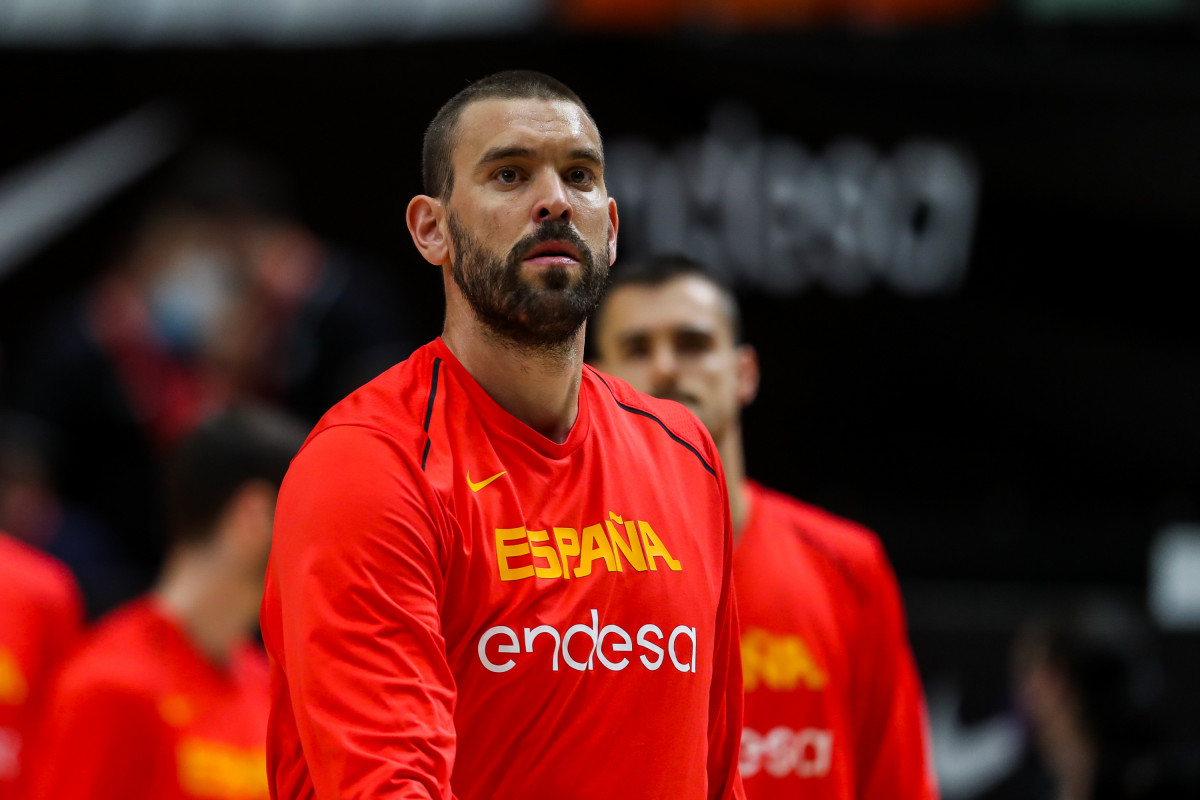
pixel 138 713
pixel 834 707
pixel 458 606
pixel 40 617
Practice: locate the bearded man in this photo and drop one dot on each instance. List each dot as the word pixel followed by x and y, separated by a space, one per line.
pixel 496 572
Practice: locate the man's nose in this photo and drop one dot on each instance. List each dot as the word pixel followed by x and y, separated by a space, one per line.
pixel 553 201
pixel 664 367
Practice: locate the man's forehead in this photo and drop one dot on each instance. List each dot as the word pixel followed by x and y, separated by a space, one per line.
pixel 526 121
pixel 688 302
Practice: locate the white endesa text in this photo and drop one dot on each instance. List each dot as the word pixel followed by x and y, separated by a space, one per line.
pixel 783 751
pixel 10 751
pixel 605 645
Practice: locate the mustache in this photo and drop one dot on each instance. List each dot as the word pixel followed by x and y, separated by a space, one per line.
pixel 676 395
pixel 555 230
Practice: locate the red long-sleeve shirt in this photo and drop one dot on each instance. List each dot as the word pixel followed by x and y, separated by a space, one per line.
pixel 138 713
pixel 834 707
pixel 41 615
pixel 457 606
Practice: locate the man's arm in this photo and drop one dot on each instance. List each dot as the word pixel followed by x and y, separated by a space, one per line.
pixel 352 618
pixel 725 698
pixel 894 758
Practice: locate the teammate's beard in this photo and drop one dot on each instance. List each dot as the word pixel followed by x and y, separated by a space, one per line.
pixel 540 317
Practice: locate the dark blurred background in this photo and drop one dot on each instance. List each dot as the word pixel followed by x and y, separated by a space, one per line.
pixel 963 233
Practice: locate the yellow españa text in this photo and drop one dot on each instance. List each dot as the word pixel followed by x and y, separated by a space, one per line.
pixel 565 552
pixel 221 771
pixel 779 662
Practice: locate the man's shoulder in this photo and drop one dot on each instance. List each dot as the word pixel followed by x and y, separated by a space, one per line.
pixel 121 655
pixel 394 401
pixel 34 578
pixel 657 418
pixel 850 544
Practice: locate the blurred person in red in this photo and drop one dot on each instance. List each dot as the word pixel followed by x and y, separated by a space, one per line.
pixel 218 293
pixel 111 382
pixel 41 615
pixel 496 573
pixel 167 698
pixel 834 706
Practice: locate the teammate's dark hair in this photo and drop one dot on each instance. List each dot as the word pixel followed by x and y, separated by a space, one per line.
pixel 225 452
pixel 437 169
pixel 663 268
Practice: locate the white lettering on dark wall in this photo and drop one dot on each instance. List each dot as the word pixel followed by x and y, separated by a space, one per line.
pixel 774 216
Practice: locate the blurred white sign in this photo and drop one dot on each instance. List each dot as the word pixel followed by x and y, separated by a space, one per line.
pixel 1175 577
pixel 1051 10
pixel 284 22
pixel 768 213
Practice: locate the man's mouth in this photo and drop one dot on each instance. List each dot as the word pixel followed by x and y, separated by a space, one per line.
pixel 553 253
pixel 679 397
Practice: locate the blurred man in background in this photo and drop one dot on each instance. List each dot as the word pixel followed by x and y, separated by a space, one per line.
pixel 834 706
pixel 218 293
pixel 41 615
pixel 168 698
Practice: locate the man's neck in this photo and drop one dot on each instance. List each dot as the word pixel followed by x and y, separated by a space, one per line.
pixel 207 604
pixel 733 460
pixel 538 387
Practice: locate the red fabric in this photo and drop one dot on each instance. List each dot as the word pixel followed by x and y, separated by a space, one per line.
pixel 40 618
pixel 139 714
pixel 413 622
pixel 834 707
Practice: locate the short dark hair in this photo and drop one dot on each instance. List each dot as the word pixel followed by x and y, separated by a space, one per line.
pixel 244 443
pixel 437 169
pixel 657 270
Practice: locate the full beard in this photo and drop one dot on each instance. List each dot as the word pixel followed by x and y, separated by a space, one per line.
pixel 542 314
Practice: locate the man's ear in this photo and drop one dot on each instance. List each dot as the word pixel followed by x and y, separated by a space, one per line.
pixel 612 231
pixel 747 374
pixel 425 219
pixel 247 521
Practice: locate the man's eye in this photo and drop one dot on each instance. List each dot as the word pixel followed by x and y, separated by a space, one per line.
pixel 507 175
pixel 693 343
pixel 580 176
